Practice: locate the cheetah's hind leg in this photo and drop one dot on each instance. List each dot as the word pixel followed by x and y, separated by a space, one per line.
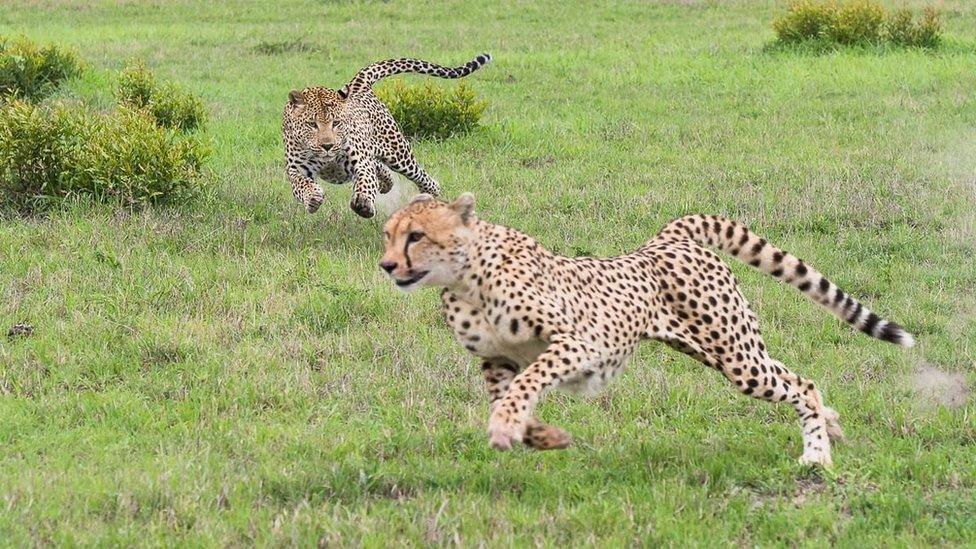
pixel 540 436
pixel 834 432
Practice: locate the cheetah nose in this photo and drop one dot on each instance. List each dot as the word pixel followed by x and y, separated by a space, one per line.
pixel 388 266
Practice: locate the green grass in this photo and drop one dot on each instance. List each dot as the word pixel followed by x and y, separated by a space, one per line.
pixel 237 371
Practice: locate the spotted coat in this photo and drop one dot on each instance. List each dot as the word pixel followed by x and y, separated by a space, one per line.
pixel 542 321
pixel 348 135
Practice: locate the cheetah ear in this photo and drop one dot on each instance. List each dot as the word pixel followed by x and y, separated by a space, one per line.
pixel 295 97
pixel 422 197
pixel 464 206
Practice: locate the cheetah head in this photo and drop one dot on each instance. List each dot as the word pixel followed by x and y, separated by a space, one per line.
pixel 427 242
pixel 312 117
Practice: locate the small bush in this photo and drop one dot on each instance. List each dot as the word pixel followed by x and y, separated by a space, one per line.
pixel 49 153
pixel 804 19
pixel 430 111
pixel 904 30
pixel 30 72
pixel 855 22
pixel 169 104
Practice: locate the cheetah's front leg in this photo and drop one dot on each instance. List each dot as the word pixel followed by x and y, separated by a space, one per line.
pixel 498 377
pixel 510 420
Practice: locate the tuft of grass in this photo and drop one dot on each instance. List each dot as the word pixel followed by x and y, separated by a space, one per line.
pixel 30 71
pixel 430 111
pixel 855 22
pixel 296 45
pixel 169 104
pixel 48 153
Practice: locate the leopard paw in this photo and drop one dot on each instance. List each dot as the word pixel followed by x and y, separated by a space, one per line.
pixel 314 200
pixel 363 206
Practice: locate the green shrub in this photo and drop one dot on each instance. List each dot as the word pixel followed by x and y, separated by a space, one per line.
pixel 29 71
pixel 904 30
pixel 855 22
pixel 169 104
pixel 430 111
pixel 803 20
pixel 49 153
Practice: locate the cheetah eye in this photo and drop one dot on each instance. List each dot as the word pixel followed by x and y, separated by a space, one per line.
pixel 414 236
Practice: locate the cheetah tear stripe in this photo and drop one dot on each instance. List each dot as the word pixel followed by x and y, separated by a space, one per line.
pixel 371 74
pixel 736 239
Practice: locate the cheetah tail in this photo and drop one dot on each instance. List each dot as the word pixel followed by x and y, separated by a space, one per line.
pixel 736 239
pixel 371 74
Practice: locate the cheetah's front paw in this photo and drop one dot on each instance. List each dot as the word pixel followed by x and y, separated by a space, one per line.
pixel 363 206
pixel 502 435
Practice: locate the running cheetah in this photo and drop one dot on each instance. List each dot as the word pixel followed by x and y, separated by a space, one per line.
pixel 541 321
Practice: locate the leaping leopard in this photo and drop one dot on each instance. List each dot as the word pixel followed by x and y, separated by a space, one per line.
pixel 349 135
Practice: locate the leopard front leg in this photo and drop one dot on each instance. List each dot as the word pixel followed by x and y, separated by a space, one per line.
pixel 498 377
pixel 304 187
pixel 385 177
pixel 365 184
pixel 565 358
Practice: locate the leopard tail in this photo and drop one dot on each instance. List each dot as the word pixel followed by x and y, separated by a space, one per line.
pixel 371 74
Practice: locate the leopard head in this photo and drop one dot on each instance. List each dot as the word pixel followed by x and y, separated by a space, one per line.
pixel 312 118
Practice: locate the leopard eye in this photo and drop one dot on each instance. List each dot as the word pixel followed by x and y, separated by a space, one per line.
pixel 414 236
pixel 312 125
pixel 336 124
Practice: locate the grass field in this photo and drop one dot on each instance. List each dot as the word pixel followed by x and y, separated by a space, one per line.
pixel 238 372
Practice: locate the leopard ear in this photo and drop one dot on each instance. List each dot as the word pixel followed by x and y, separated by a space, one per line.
pixel 344 93
pixel 464 206
pixel 295 97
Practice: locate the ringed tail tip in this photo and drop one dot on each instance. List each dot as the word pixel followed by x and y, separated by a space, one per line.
pixel 893 333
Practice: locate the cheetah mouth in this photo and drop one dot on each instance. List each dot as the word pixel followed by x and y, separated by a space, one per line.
pixel 412 280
